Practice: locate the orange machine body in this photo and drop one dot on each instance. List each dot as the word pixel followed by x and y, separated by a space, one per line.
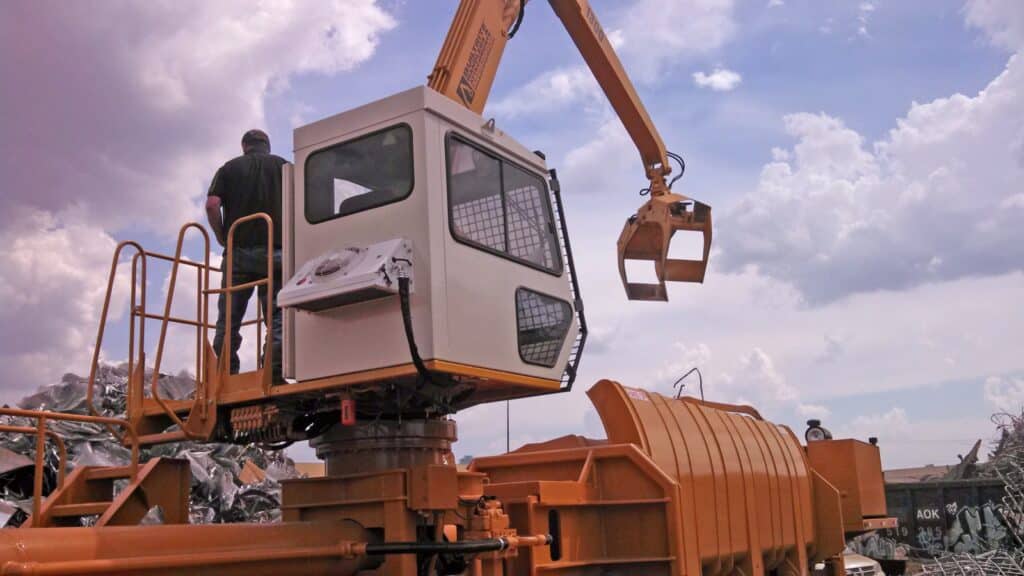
pixel 679 487
pixel 855 468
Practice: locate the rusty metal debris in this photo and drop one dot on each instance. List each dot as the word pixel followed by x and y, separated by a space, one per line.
pixel 968 466
pixel 230 483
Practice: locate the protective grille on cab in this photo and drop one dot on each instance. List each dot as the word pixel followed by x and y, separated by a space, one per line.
pixel 500 207
pixel 543 323
pixel 529 227
pixel 481 221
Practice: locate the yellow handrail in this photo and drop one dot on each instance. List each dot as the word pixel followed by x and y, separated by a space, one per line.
pixel 202 325
pixel 62 453
pixel 140 254
pixel 202 313
pixel 229 290
pixel 41 432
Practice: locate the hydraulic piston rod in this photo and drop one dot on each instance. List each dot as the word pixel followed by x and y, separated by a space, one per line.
pixel 224 549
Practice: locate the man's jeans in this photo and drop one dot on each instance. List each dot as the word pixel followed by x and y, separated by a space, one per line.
pixel 250 264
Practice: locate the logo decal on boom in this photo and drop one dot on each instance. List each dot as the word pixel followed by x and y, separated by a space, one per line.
pixel 596 26
pixel 475 65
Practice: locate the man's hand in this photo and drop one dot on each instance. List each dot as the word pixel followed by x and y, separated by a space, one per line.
pixel 214 217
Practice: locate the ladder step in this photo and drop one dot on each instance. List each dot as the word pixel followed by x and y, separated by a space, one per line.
pixel 108 472
pixel 80 509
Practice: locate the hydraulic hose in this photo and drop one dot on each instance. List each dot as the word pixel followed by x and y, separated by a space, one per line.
pixel 403 296
pixel 519 20
pixel 468 547
pixel 463 547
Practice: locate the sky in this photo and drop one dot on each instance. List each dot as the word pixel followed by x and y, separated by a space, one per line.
pixel 863 159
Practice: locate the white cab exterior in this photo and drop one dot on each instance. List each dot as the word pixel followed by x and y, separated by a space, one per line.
pixel 463 308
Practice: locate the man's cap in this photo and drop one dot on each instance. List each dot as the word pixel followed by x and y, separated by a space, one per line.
pixel 255 136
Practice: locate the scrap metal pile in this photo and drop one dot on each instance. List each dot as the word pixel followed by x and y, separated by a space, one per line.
pixel 1006 462
pixel 991 563
pixel 229 483
pixel 1008 455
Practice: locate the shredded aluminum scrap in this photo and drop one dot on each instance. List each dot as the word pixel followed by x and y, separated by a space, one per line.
pixel 218 493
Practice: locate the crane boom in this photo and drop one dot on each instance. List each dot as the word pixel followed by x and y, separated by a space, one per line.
pixel 471 53
pixel 597 51
pixel 465 71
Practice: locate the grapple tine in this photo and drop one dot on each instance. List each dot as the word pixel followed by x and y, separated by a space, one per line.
pixel 641 241
pixel 696 220
pixel 648 234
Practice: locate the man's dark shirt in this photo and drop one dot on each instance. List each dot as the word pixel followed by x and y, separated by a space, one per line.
pixel 246 185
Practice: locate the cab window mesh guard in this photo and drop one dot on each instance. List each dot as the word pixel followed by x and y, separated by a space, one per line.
pixel 543 322
pixel 500 208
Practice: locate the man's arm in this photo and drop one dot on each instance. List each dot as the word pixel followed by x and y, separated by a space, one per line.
pixel 214 217
pixel 213 207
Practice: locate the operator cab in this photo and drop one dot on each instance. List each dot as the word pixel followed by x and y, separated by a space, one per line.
pixel 417 186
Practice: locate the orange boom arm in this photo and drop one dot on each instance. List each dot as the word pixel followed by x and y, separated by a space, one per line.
pixel 465 71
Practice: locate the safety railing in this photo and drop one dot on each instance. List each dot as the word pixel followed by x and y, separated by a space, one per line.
pixel 40 460
pixel 229 290
pixel 140 255
pixel 41 431
pixel 201 322
pixel 202 326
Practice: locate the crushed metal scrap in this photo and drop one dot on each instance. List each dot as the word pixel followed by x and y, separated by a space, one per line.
pixel 993 562
pixel 1006 462
pixel 229 483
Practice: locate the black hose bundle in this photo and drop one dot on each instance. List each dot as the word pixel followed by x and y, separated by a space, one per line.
pixel 403 296
pixel 464 547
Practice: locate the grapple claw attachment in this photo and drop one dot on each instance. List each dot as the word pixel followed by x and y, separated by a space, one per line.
pixel 647 236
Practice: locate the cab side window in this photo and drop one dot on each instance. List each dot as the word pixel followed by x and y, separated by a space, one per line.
pixel 499 207
pixel 360 174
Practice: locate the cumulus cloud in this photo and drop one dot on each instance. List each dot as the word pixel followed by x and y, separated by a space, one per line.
pixel 749 378
pixel 1003 20
pixel 719 80
pixel 719 325
pixel 934 200
pixel 611 150
pixel 651 36
pixel 123 110
pixel 757 375
pixel 910 440
pixel 551 91
pixel 53 284
pixel 685 357
pixel 892 422
pixel 661 34
pixel 816 411
pixel 1005 394
pixel 120 115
